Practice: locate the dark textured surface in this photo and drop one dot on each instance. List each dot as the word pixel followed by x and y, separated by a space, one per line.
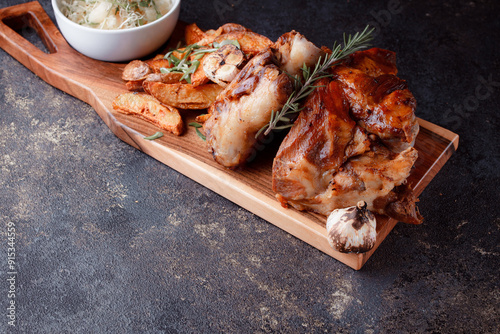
pixel 111 241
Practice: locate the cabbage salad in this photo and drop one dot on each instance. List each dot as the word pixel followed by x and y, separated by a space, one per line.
pixel 115 14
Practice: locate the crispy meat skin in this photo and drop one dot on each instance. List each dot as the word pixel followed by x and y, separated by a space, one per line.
pixel 314 149
pixel 244 107
pixel 352 141
pixel 380 101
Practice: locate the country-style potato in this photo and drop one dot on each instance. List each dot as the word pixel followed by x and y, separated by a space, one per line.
pixel 157 63
pixel 251 43
pixel 193 34
pixel 136 70
pixel 134 85
pixel 202 118
pixel 167 78
pixel 199 77
pixel 184 96
pixel 150 109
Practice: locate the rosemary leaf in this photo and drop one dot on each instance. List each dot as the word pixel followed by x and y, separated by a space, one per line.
pixel 261 130
pixel 195 125
pixel 281 127
pixel 201 135
pixel 155 136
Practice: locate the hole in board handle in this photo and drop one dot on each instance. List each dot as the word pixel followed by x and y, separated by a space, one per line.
pixel 29 27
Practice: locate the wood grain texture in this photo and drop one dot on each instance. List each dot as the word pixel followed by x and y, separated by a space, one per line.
pixel 98 83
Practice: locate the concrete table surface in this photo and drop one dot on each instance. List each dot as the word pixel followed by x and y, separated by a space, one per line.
pixel 108 240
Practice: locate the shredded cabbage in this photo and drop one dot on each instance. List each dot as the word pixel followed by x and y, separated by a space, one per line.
pixel 115 14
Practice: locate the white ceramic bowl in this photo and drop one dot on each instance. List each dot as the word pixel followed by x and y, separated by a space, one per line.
pixel 118 45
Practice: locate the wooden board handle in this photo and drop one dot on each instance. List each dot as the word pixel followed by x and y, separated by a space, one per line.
pixel 63 67
pixel 31 15
pixel 48 66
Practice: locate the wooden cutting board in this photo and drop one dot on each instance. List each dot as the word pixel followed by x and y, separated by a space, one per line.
pixel 98 83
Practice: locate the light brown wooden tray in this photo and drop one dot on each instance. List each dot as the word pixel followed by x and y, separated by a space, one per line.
pixel 98 83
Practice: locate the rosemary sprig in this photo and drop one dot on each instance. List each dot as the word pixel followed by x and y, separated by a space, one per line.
pixel 305 85
pixel 185 64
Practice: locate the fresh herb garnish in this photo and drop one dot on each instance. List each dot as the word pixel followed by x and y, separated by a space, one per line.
pixel 155 136
pixel 197 126
pixel 190 56
pixel 305 85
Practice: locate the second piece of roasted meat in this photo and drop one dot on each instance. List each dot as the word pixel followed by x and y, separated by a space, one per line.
pixel 247 103
pixel 352 141
pixel 379 101
pixel 244 107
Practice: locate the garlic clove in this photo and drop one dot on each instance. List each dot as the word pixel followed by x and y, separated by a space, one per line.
pixel 352 229
pixel 222 66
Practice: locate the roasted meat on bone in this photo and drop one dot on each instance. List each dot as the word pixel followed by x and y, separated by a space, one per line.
pixel 293 50
pixel 263 86
pixel 352 141
pixel 380 101
pixel 314 149
pixel 243 108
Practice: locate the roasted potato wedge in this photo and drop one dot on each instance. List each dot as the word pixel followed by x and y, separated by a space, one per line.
pixel 167 78
pixel 184 96
pixel 193 34
pixel 150 109
pixel 251 43
pixel 158 63
pixel 202 118
pixel 199 77
pixel 157 57
pixel 134 85
pixel 136 70
pixel 231 27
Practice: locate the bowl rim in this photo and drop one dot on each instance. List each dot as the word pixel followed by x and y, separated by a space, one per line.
pixel 58 13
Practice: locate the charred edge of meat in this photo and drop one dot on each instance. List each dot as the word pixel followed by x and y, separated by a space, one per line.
pixel 400 204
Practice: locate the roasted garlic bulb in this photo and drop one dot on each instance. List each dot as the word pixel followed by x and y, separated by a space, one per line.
pixel 352 229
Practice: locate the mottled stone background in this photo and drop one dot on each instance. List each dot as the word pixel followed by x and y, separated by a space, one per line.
pixel 111 241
